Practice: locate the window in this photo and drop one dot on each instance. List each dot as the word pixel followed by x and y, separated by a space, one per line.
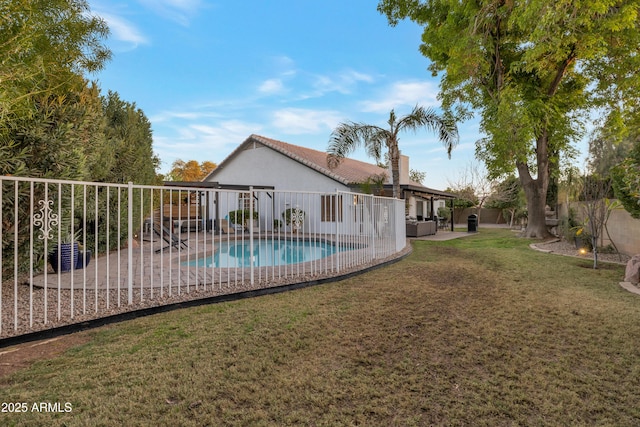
pixel 328 205
pixel 244 201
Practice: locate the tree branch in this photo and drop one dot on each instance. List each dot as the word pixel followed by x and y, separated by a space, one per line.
pixel 553 88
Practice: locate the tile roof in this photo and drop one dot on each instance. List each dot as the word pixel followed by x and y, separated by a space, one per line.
pixel 349 171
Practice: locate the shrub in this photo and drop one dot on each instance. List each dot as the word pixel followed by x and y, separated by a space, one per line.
pixel 568 226
pixel 241 216
pixel 444 213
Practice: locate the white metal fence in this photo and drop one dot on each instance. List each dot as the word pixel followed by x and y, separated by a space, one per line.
pixel 78 250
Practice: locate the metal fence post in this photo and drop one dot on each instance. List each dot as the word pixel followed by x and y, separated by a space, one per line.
pixel 336 206
pixel 251 233
pixel 130 242
pixel 373 217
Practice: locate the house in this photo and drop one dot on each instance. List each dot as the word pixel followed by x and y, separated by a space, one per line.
pixel 268 164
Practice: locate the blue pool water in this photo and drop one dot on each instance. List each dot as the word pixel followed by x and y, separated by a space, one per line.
pixel 266 253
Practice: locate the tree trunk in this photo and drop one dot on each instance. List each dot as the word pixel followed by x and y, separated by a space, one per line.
pixel 394 156
pixel 535 190
pixel 536 201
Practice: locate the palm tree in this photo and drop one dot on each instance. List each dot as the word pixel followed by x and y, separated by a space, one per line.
pixel 348 136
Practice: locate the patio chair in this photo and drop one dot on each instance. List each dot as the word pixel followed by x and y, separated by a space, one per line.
pixel 225 227
pixel 169 237
pixel 443 224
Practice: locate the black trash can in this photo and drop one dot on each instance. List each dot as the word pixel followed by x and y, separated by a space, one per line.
pixel 472 223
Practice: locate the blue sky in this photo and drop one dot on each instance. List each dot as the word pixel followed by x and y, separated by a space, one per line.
pixel 208 74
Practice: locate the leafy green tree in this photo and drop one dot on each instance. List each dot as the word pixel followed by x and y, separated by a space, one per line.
pixel 625 175
pixel 606 151
pixel 64 136
pixel 128 152
pixel 51 142
pixel 626 181
pixel 348 136
pixel 417 176
pixel 129 137
pixel 533 70
pixel 45 47
pixel 465 198
pixel 55 124
pixel 12 158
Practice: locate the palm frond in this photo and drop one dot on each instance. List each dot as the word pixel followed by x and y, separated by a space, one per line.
pixel 392 119
pixel 444 126
pixel 348 136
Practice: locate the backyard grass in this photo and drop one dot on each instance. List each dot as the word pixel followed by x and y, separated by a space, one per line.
pixel 470 332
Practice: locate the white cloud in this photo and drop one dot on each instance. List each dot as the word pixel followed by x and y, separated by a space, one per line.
pixel 300 121
pixel 284 70
pixel 285 65
pixel 408 93
pixel 343 82
pixel 201 141
pixel 167 116
pixel 124 31
pixel 271 87
pixel 326 84
pixel 179 11
pixel 205 137
pixel 225 132
pixel 355 76
pixel 309 85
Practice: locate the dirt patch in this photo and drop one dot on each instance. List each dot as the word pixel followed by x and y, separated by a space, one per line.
pixel 21 356
pixel 449 251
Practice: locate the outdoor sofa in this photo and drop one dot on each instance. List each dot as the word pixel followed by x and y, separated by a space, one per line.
pixel 421 228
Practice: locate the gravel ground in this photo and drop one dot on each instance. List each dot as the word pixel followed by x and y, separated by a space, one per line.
pixel 563 247
pixel 86 305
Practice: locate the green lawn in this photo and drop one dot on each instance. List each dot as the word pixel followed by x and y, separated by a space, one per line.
pixel 476 331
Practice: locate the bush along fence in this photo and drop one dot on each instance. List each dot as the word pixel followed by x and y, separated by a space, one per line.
pixel 73 251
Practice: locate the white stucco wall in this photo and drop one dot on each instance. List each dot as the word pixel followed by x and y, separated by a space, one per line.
pixel 259 165
pixel 264 166
pixel 356 219
pixel 271 205
pixel 414 207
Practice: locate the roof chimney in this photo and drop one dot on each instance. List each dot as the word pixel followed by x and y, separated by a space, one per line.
pixel 404 170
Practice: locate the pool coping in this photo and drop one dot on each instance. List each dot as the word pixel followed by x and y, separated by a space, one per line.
pixel 341 246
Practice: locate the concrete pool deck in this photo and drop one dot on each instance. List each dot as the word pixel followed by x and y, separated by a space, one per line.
pixel 165 270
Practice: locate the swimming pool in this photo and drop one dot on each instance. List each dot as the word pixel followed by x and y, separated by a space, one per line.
pixel 266 253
